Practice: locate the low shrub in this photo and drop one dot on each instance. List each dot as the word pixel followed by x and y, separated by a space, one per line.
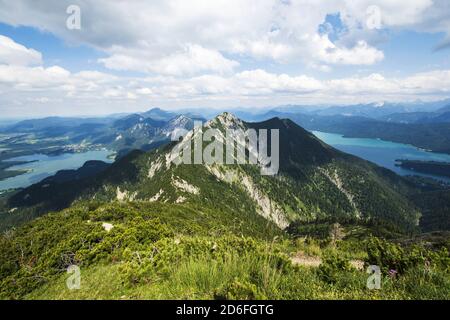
pixel 332 266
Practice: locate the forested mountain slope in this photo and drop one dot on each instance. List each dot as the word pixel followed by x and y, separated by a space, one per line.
pixel 315 181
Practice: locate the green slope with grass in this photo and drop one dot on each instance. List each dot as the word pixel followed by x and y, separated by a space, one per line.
pixel 166 251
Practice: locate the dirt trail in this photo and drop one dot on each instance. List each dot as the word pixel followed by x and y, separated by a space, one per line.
pixel 303 259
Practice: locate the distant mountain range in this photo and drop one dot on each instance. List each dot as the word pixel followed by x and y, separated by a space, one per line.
pixel 429 130
pixel 441 115
pixel 423 124
pixel 120 133
pixel 370 110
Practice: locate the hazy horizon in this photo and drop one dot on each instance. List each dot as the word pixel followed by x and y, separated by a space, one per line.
pixel 248 109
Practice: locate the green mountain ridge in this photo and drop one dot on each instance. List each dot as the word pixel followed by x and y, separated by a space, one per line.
pixel 315 181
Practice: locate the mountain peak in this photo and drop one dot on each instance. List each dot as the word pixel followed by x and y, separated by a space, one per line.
pixel 156 109
pixel 180 117
pixel 158 114
pixel 225 117
pixel 226 120
pixel 180 121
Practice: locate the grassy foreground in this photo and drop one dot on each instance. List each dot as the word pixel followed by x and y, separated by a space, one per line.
pixel 162 251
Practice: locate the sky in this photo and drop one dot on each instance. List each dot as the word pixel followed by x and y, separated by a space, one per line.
pixel 93 57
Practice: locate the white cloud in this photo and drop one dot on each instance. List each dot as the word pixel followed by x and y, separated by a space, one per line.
pixel 360 54
pixel 193 59
pixel 206 51
pixel 257 80
pixel 94 92
pixel 38 84
pixel 144 91
pixel 256 84
pixel 32 78
pixel 192 37
pixel 186 38
pixel 426 82
pixel 12 53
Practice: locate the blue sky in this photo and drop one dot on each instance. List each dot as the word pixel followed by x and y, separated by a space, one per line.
pixel 405 52
pixel 54 50
pixel 130 57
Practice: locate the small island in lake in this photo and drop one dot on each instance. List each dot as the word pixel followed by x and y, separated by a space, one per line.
pixel 430 167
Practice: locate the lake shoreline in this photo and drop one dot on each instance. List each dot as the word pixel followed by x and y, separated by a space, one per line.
pixel 385 153
pixel 429 167
pixel 36 167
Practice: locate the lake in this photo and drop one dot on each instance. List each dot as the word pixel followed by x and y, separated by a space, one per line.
pixel 45 166
pixel 383 153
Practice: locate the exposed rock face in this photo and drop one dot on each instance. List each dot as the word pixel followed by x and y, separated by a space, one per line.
pixel 157 196
pixel 266 207
pixel 154 167
pixel 335 179
pixel 184 186
pixel 125 195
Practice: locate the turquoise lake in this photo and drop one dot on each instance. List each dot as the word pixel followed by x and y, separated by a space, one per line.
pixel 383 153
pixel 45 166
